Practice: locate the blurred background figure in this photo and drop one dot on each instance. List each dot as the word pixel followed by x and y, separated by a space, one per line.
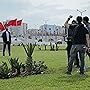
pixel 6 40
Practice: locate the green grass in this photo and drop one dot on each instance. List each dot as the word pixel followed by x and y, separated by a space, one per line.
pixel 56 79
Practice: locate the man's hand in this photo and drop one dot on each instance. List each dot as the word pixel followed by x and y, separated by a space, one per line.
pixel 70 16
pixel 66 23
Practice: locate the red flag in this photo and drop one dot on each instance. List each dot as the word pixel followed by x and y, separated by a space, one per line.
pixel 19 22
pixel 1 27
pixel 12 22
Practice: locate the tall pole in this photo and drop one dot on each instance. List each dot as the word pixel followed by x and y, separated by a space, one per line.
pixel 81 12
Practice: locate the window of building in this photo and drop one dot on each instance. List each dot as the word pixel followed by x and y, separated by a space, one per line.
pixel 49 28
pixel 45 28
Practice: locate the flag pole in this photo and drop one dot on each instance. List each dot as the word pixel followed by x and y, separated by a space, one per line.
pixel 16 30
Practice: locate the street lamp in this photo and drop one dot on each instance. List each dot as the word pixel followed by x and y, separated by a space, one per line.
pixel 45 21
pixel 81 12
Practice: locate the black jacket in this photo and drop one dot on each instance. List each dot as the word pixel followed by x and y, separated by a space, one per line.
pixel 5 37
pixel 79 35
pixel 70 32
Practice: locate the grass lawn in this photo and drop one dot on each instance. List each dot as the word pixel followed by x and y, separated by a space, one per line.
pixel 56 79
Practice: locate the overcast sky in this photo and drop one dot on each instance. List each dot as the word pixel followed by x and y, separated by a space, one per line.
pixel 37 12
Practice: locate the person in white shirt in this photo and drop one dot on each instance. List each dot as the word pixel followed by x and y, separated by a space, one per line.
pixel 6 41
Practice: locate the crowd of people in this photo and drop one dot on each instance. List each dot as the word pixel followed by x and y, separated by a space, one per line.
pixel 78 42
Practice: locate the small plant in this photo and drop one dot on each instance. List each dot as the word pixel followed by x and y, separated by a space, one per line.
pixel 15 66
pixel 4 70
pixel 18 69
pixel 33 67
pixel 29 51
pixel 38 67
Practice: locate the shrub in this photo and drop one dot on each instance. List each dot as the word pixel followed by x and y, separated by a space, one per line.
pixel 38 67
pixel 33 67
pixel 15 66
pixel 29 68
pixel 4 70
pixel 29 48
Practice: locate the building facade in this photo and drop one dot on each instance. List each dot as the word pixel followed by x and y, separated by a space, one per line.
pixel 46 32
pixel 18 31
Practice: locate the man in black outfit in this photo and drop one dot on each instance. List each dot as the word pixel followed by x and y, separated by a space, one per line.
pixel 87 24
pixel 80 38
pixel 70 30
pixel 6 40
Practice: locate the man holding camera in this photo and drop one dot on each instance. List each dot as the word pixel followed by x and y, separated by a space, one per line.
pixel 70 30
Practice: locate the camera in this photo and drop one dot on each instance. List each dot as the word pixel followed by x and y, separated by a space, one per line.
pixel 70 16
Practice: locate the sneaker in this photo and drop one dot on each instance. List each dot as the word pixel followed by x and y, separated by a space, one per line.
pixel 3 54
pixel 82 73
pixel 68 73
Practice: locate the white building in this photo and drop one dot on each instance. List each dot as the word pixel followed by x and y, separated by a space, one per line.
pixel 46 32
pixel 52 29
pixel 32 33
pixel 18 30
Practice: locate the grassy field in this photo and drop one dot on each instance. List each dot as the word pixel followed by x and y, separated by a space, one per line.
pixel 56 79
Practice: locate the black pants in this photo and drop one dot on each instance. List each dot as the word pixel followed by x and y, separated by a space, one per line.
pixel 74 50
pixel 69 45
pixel 4 47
